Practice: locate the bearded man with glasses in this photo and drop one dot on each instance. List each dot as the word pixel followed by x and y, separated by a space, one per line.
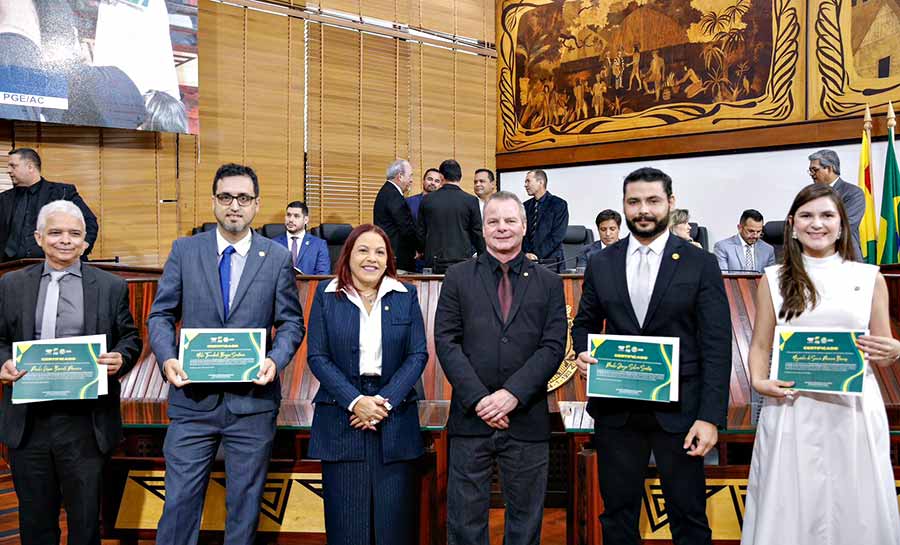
pixel 231 277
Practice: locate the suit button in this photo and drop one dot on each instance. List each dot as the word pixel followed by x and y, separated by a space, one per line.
pixel 504 340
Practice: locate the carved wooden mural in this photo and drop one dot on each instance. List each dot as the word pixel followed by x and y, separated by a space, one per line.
pixel 589 71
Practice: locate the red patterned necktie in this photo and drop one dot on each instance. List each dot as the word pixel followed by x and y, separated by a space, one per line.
pixel 504 291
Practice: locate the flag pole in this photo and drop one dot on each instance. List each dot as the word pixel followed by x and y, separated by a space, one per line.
pixel 891 118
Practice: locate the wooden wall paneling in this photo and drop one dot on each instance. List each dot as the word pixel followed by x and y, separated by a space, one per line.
pixel 490 30
pixel 222 48
pixel 189 204
pixel 266 129
pixel 379 116
pixel 437 105
pixel 416 84
pixel 341 54
pixel 167 191
pixel 469 138
pixel 296 87
pixel 27 135
pixel 403 104
pixel 352 7
pixel 129 196
pixel 72 155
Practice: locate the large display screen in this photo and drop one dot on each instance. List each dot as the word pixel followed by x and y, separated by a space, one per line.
pixel 128 64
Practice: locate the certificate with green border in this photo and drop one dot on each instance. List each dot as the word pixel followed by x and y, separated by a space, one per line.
pixel 633 367
pixel 819 359
pixel 222 355
pixel 60 369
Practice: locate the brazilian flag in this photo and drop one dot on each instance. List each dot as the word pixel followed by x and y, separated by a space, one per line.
pixel 888 232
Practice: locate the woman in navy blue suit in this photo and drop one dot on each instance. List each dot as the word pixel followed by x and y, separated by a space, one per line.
pixel 367 348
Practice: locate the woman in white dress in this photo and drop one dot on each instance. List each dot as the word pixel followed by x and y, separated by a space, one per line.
pixel 821 470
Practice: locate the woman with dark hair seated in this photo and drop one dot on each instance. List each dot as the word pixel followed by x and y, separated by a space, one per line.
pixel 367 348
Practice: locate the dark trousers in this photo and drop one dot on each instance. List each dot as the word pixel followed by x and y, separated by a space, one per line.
pixel 622 457
pixel 190 447
pixel 58 463
pixel 370 502
pixel 523 478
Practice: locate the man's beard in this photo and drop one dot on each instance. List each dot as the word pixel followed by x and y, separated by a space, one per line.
pixel 659 225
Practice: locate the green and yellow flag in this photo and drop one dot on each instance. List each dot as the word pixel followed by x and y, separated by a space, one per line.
pixel 867 229
pixel 888 234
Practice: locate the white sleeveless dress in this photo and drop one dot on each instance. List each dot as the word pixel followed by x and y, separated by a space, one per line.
pixel 821 471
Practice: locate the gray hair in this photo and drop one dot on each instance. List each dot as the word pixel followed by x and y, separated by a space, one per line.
pixel 56 207
pixel 396 169
pixel 506 196
pixel 828 159
pixel 678 216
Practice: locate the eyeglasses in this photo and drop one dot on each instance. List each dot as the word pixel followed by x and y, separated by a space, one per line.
pixel 225 199
pixel 814 170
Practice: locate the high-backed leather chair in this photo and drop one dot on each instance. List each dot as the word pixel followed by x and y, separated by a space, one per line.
pixel 334 234
pixel 773 233
pixel 577 237
pixel 700 234
pixel 272 230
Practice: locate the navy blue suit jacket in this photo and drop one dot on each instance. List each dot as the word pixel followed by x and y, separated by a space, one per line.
pixel 266 296
pixel 547 238
pixel 334 359
pixel 312 254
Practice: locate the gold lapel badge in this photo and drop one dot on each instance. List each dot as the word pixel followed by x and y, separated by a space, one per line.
pixel 676 257
pixel 524 274
pixel 262 253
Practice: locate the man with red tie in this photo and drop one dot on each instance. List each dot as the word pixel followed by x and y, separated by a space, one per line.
pixel 309 253
pixel 500 333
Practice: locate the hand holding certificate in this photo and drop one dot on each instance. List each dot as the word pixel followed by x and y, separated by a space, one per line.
pixel 819 360
pixel 222 355
pixel 633 367
pixel 60 369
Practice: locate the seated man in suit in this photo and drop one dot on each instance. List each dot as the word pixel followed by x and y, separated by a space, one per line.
pixel 308 253
pixel 548 218
pixel 19 206
pixel 608 223
pixel 230 277
pixel 745 251
pixel 57 449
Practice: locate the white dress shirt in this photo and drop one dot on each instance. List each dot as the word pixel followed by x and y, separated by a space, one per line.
pixel 369 327
pixel 402 194
pixel 654 256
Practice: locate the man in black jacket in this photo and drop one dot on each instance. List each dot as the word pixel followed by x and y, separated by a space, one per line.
pixel 548 219
pixel 392 213
pixel 658 285
pixel 451 222
pixel 500 334
pixel 57 449
pixel 19 206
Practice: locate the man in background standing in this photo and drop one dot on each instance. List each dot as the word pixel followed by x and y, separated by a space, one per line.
pixel 431 182
pixel 825 168
pixel 393 214
pixel 548 219
pixel 485 186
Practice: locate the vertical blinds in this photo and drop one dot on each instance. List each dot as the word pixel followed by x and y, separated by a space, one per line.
pixel 372 99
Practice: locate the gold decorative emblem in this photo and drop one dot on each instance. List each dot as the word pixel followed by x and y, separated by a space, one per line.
pixel 568 367
pixel 676 257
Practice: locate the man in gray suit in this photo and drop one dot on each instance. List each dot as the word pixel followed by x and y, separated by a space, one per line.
pixel 230 277
pixel 825 168
pixel 745 251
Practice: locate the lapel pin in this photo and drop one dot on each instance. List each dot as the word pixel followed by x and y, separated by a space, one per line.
pixel 307 243
pixel 262 253
pixel 676 257
pixel 524 274
pixel 387 307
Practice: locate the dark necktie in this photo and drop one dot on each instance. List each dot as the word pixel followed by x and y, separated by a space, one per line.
pixel 535 218
pixel 294 249
pixel 225 277
pixel 504 291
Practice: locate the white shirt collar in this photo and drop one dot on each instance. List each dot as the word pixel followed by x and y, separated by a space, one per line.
pixel 831 185
pixel 657 246
pixel 387 284
pixel 299 234
pixel 242 247
pixel 396 186
pixel 744 242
